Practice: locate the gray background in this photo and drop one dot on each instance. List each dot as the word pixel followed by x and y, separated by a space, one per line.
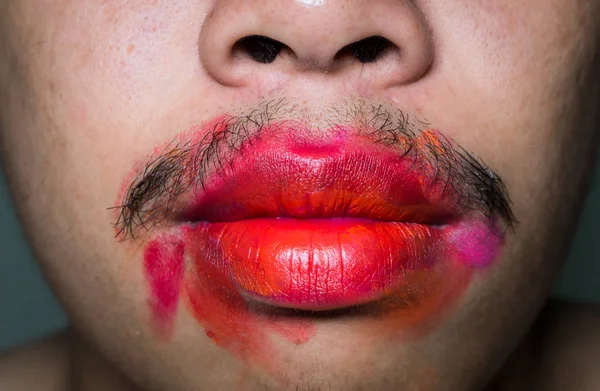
pixel 28 309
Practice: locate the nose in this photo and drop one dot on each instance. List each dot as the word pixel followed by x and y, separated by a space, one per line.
pixel 248 40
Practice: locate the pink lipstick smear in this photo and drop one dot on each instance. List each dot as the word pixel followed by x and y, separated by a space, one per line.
pixel 164 266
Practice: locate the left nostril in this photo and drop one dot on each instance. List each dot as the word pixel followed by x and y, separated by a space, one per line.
pixel 260 48
pixel 369 49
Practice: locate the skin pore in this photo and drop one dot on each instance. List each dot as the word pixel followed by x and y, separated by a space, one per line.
pixel 92 92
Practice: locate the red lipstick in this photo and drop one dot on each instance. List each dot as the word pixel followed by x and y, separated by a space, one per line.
pixel 322 226
pixel 305 219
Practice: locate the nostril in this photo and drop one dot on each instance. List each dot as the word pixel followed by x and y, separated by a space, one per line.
pixel 260 48
pixel 368 49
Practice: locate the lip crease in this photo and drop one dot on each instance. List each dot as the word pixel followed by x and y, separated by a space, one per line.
pixel 324 226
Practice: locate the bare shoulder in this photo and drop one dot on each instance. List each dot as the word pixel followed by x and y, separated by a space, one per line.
pixel 568 346
pixel 41 365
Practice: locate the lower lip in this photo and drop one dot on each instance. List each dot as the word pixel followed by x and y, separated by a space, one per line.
pixel 326 264
pixel 216 299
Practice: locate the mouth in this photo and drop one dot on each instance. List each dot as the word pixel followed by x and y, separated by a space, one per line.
pixel 327 226
pixel 267 227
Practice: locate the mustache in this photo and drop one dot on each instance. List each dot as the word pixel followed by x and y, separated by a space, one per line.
pixel 186 162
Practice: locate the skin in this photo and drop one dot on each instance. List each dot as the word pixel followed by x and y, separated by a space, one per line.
pixel 88 87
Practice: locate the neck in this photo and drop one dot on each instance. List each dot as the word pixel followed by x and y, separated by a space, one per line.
pixel 520 370
pixel 90 371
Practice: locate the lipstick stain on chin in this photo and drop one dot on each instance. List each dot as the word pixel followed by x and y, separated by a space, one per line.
pixel 226 317
pixel 231 325
pixel 214 303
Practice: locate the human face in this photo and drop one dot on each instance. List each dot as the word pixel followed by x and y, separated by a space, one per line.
pixel 315 210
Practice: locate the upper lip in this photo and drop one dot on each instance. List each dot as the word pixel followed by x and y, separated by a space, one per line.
pixel 344 182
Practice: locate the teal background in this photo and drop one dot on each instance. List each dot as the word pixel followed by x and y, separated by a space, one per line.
pixel 28 310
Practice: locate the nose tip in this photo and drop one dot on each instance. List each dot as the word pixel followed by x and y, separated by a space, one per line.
pixel 242 41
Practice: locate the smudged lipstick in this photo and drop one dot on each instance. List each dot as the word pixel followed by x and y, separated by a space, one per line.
pixel 329 225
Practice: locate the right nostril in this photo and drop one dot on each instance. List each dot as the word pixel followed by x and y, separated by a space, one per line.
pixel 369 49
pixel 260 48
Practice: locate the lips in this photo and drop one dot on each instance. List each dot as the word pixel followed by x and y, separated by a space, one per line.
pixel 322 226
